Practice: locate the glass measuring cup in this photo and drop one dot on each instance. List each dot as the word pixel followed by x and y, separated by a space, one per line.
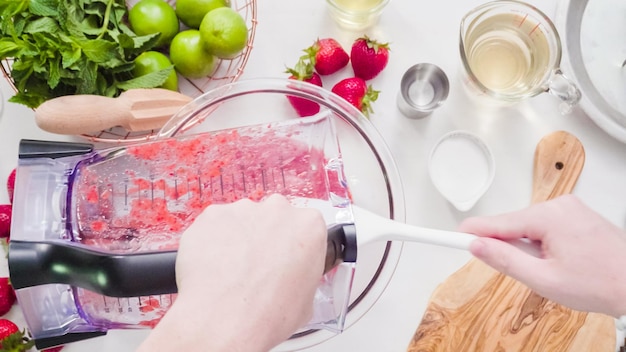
pixel 511 51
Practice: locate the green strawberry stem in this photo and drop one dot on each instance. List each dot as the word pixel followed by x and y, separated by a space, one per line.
pixel 303 69
pixel 366 103
pixel 311 52
pixel 17 342
pixel 373 44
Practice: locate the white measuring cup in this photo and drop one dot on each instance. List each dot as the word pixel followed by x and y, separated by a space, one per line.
pixel 462 168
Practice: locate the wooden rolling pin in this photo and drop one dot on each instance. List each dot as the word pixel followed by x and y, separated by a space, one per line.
pixel 134 110
pixel 479 309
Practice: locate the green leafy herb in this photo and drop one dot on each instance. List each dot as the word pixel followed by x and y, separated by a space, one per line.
pixel 63 47
pixel 17 341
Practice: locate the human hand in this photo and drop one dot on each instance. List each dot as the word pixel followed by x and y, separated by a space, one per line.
pixel 583 254
pixel 246 274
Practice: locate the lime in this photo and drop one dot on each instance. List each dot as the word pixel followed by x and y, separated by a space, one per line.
pixel 224 32
pixel 154 16
pixel 189 56
pixel 153 61
pixel 191 12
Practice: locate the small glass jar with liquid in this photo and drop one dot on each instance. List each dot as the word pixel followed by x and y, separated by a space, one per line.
pixel 356 14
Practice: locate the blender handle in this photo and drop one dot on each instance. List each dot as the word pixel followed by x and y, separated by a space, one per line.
pixel 115 275
pixel 127 275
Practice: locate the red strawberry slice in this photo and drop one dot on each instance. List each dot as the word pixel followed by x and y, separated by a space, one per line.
pixel 368 57
pixel 356 91
pixel 7 328
pixel 11 185
pixel 303 71
pixel 5 220
pixel 12 339
pixel 7 296
pixel 328 56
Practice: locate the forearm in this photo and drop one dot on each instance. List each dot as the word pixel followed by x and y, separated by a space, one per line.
pixel 617 295
pixel 216 330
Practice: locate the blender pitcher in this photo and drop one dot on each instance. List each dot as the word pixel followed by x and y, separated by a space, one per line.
pixel 94 233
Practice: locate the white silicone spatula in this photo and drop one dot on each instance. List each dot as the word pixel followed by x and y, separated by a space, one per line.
pixel 371 227
pixel 134 110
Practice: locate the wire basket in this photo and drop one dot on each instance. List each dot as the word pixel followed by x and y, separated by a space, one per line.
pixel 227 71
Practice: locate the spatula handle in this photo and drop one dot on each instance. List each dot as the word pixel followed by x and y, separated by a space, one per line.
pixel 78 114
pixel 373 227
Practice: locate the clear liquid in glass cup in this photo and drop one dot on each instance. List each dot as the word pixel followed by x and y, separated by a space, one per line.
pixel 511 51
pixel 356 14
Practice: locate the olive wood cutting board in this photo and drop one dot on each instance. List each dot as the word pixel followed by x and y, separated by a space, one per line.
pixel 479 309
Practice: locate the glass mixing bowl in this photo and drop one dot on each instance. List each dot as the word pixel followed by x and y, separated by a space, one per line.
pixel 369 168
pixel 595 60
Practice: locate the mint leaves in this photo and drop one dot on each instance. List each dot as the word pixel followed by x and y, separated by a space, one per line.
pixel 63 47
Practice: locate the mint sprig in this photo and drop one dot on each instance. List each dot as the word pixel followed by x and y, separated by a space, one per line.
pixel 71 47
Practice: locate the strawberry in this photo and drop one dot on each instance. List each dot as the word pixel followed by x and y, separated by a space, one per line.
pixel 53 349
pixel 368 57
pixel 11 184
pixel 12 339
pixel 328 56
pixel 7 328
pixel 303 71
pixel 5 220
pixel 7 296
pixel 356 91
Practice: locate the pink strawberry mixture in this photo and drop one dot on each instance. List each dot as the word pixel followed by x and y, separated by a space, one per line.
pixel 167 183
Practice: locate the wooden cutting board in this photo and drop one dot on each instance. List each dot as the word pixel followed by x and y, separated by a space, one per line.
pixel 479 309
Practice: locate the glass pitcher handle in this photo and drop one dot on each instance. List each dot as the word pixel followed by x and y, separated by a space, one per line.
pixel 564 89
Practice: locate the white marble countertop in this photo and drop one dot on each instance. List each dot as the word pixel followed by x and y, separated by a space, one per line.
pixel 418 32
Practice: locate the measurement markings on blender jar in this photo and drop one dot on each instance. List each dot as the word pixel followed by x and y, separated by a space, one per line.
pixel 225 187
pixel 262 179
pixel 148 197
pixel 200 190
pixel 152 189
pixel 127 204
pixel 114 304
pixel 243 180
pixel 126 194
pixel 136 304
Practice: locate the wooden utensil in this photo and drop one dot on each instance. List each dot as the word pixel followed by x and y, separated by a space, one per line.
pixel 135 110
pixel 479 309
